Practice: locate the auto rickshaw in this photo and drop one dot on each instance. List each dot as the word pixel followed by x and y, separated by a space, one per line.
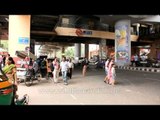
pixel 8 92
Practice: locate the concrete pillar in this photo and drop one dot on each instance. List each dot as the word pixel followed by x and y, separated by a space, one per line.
pixel 55 51
pixel 106 51
pixel 122 43
pixel 102 49
pixel 63 51
pixel 32 46
pixel 19 33
pixel 87 51
pixel 77 50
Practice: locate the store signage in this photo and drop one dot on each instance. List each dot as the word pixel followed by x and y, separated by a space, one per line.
pixel 23 40
pixel 81 32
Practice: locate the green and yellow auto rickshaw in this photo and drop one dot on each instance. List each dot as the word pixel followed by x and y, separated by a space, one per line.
pixel 8 92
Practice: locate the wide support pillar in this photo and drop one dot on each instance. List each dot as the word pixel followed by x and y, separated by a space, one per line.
pixel 19 33
pixel 87 51
pixel 122 43
pixel 102 49
pixel 77 50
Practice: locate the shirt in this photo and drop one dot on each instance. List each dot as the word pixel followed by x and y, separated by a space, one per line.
pixel 56 65
pixel 70 65
pixel 64 66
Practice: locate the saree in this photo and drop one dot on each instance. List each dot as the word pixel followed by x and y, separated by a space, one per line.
pixel 8 70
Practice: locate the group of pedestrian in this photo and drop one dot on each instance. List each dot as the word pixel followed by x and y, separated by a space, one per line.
pixel 134 60
pixel 110 71
pixel 64 68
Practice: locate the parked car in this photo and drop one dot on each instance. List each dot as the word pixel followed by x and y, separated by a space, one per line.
pixel 145 63
pixel 93 63
pixel 78 61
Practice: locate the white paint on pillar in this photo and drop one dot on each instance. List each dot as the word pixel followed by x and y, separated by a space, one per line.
pixel 19 28
pixel 122 43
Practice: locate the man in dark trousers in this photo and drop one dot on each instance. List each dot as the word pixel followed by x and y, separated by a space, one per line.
pixel 43 68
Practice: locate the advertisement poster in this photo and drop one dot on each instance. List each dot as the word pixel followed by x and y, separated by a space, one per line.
pixel 122 43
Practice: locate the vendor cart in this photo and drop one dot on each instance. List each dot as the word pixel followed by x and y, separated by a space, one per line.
pixel 25 67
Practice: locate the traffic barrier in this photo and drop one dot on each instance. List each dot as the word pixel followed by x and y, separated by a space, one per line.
pixel 156 70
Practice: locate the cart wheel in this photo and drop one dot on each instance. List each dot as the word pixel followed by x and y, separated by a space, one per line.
pixel 26 99
pixel 39 77
pixel 28 82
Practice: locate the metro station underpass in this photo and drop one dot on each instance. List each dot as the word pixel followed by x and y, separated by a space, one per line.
pixel 57 32
pixel 43 29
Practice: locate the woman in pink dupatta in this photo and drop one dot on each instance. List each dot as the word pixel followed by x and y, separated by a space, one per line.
pixel 109 70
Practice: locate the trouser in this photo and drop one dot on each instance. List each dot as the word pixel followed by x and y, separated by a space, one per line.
pixel 43 72
pixel 56 75
pixel 70 73
pixel 64 76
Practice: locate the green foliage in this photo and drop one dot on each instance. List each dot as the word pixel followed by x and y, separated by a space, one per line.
pixel 4 44
pixel 69 52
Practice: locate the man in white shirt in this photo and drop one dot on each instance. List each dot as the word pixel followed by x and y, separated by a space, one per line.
pixel 64 68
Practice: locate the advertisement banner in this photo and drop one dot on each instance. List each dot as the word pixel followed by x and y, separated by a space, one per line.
pixel 122 43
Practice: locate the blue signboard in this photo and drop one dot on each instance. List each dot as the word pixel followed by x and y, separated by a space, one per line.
pixel 23 40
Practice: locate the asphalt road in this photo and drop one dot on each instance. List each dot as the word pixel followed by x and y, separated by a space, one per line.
pixel 132 88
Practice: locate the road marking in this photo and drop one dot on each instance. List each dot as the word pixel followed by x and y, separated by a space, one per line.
pixel 127 90
pixel 60 86
pixel 73 96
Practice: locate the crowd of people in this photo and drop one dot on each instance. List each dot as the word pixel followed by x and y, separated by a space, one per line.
pixel 54 68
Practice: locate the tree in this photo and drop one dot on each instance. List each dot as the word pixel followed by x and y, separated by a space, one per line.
pixel 69 52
